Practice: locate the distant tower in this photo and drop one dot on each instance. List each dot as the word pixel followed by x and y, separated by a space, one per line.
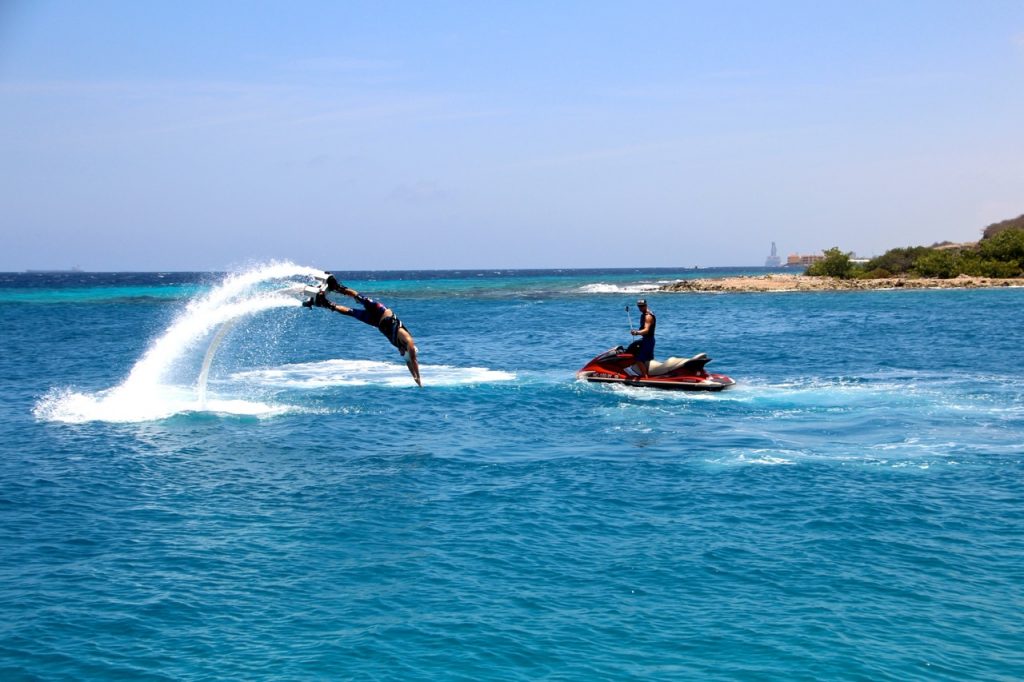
pixel 773 261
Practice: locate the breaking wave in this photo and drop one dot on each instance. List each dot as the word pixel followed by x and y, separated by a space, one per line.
pixel 604 288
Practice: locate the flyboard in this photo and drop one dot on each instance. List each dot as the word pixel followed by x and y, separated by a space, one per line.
pixel 325 282
pixel 307 293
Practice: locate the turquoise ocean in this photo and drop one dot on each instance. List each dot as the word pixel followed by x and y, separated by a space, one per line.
pixel 201 480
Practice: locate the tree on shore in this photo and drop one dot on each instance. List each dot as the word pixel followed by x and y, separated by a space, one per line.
pixel 936 263
pixel 895 261
pixel 836 264
pixel 1005 246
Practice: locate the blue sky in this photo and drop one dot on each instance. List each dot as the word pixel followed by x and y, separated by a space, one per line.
pixel 187 135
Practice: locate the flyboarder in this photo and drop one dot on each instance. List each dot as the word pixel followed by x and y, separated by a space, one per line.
pixel 375 314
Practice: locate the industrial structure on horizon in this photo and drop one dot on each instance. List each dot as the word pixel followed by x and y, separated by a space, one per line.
pixel 803 260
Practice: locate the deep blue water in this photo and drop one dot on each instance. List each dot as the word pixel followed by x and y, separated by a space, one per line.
pixel 853 509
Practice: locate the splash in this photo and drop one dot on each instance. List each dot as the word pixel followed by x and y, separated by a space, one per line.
pixel 147 393
pixel 120 406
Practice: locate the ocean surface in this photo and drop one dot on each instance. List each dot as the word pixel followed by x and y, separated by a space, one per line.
pixel 201 480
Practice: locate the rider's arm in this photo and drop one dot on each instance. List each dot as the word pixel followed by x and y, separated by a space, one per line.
pixel 645 329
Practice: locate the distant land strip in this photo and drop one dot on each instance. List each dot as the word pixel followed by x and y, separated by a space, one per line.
pixel 782 282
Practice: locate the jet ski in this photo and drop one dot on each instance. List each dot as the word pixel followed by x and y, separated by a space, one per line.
pixel 680 374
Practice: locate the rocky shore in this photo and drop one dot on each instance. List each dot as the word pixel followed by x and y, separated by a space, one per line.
pixel 785 282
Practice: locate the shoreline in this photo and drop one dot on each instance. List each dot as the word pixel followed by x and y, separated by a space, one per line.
pixel 784 282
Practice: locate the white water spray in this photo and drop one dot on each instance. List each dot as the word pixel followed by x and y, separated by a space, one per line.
pixel 145 395
pixel 204 373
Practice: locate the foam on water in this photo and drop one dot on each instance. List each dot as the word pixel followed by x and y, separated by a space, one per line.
pixel 760 422
pixel 312 375
pixel 120 406
pixel 605 288
pixel 146 394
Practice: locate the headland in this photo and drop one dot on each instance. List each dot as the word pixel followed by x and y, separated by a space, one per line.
pixel 787 282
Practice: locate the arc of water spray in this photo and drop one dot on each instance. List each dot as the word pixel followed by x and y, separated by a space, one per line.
pixel 143 394
pixel 204 373
pixel 218 338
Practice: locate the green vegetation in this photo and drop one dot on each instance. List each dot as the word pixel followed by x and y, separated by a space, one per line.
pixel 934 263
pixel 836 264
pixel 1000 253
pixel 896 261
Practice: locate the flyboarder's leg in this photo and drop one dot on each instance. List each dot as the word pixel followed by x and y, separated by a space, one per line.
pixel 321 301
pixel 331 283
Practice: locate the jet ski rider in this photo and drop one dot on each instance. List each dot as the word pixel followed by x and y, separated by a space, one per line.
pixel 375 314
pixel 645 353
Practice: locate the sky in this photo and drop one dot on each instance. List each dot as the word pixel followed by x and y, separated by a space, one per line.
pixel 432 135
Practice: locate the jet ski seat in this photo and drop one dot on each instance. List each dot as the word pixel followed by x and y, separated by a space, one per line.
pixel 672 364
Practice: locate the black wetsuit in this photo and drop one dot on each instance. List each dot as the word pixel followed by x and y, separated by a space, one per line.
pixel 373 315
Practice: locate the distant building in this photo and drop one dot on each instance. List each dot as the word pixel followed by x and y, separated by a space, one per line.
pixel 802 260
pixel 773 261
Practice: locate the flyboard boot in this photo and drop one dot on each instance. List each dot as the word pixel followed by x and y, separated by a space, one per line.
pixel 318 293
pixel 331 283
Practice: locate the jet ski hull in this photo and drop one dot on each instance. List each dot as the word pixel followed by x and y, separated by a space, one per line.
pixel 675 374
pixel 714 382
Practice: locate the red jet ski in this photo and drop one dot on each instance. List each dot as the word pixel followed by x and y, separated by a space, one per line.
pixel 680 374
